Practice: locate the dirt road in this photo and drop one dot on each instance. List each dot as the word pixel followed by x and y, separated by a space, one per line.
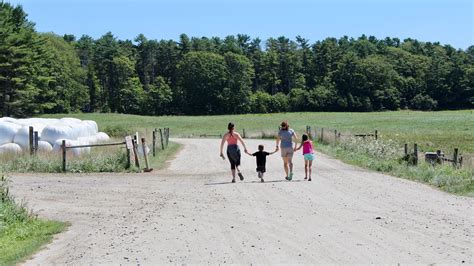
pixel 191 213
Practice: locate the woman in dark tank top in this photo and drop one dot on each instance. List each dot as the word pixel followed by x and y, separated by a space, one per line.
pixel 233 151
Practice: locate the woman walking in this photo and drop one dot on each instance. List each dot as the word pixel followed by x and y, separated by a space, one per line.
pixel 233 151
pixel 284 140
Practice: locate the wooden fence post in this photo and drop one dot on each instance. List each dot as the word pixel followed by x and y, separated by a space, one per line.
pixel 406 151
pixel 438 157
pixel 154 142
pixel 36 138
pixel 167 136
pixel 415 154
pixel 455 157
pixel 147 169
pixel 335 136
pixel 31 141
pixel 376 134
pixel 129 147
pixel 322 135
pixel 129 162
pixel 243 133
pixel 63 147
pixel 161 138
pixel 135 152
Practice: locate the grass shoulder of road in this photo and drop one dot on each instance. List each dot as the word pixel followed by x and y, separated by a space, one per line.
pixel 163 157
pixel 444 177
pixel 99 160
pixel 21 233
pixel 21 239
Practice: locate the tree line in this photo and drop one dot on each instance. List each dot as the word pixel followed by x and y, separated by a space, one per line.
pixel 47 73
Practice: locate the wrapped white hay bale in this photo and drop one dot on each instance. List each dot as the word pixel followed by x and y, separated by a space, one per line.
pixel 57 144
pixel 70 121
pixel 7 132
pixel 80 151
pixel 39 127
pixel 90 139
pixel 102 137
pixel 44 146
pixel 94 129
pixel 83 129
pixel 70 143
pixel 10 148
pixel 52 133
pixel 8 119
pixel 23 121
pixel 22 137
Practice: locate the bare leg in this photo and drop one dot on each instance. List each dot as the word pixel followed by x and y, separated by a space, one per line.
pixel 285 165
pixel 290 162
pixel 305 169
pixel 233 174
pixel 310 166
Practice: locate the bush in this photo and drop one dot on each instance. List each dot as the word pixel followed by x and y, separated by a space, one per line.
pixel 298 99
pixel 118 131
pixel 260 102
pixel 423 102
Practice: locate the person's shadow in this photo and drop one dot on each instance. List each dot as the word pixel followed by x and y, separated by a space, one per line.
pixel 252 182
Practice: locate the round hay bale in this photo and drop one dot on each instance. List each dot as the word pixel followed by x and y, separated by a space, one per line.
pixel 10 148
pixel 7 132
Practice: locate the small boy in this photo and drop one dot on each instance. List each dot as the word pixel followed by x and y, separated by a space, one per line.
pixel 261 160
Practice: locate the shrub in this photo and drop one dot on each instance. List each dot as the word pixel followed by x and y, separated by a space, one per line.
pixel 117 131
pixel 423 102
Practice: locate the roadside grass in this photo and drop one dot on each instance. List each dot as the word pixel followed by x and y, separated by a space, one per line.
pixel 387 158
pixel 21 233
pixel 162 157
pixel 103 159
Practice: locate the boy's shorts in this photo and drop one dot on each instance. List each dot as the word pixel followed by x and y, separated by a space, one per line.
pixel 309 157
pixel 261 168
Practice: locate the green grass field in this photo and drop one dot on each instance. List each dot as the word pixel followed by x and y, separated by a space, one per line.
pixel 443 130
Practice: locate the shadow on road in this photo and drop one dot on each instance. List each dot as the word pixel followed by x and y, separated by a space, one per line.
pixel 252 182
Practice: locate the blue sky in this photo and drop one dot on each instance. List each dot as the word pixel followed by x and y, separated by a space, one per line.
pixel 447 21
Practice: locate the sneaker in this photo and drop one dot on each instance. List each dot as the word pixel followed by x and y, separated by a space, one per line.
pixel 309 179
pixel 261 180
pixel 305 178
pixel 233 180
pixel 287 178
pixel 241 176
pixel 290 176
